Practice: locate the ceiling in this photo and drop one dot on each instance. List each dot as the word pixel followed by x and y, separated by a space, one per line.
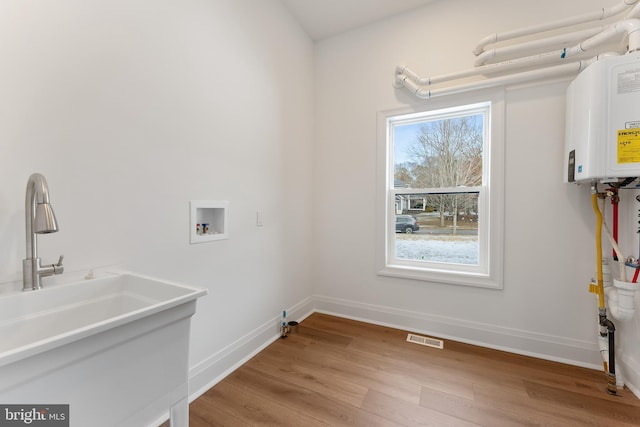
pixel 325 18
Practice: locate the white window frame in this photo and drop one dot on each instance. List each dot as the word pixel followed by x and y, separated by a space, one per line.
pixel 489 271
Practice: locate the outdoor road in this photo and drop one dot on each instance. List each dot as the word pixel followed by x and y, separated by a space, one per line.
pixel 440 231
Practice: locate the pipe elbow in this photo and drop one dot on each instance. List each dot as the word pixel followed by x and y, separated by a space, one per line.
pixel 404 81
pixel 399 81
pixel 423 93
pixel 605 55
pixel 632 27
pixel 404 71
pixel 621 314
pixel 490 39
pixel 628 26
pixel 607 323
pixel 484 57
pixel 621 300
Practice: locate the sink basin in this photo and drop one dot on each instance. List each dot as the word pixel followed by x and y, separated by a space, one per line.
pixel 36 321
pixel 119 341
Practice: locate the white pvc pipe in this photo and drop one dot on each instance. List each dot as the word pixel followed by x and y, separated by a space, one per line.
pixel 621 299
pixel 598 36
pixel 492 69
pixel 606 274
pixel 561 40
pixel 527 76
pixel 489 69
pixel 603 345
pixel 629 27
pixel 621 266
pixel 597 15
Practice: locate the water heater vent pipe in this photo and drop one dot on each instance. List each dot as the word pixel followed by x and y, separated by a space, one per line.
pixel 596 37
pixel 403 80
pixel 629 27
pixel 489 69
pixel 560 41
pixel 597 15
pixel 485 70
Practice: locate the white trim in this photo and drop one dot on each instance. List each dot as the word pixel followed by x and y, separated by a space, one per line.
pixel 489 272
pixel 548 347
pixel 219 365
pixel 439 190
pixel 458 277
pixel 631 371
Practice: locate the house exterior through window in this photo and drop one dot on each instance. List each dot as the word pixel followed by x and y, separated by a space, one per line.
pixel 440 183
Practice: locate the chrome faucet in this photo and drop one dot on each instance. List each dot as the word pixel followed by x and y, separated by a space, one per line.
pixel 39 219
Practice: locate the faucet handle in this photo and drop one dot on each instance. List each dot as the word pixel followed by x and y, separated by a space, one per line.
pixel 58 268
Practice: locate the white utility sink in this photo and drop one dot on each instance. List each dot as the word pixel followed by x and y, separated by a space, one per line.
pixel 118 341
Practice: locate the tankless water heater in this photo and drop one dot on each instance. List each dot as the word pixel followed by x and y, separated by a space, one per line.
pixel 603 121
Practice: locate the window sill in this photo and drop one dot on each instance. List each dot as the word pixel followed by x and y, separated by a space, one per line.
pixel 442 276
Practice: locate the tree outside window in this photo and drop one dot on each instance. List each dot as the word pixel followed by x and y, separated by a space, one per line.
pixel 440 154
pixel 441 221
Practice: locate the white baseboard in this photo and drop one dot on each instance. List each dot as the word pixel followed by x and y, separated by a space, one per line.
pixel 631 371
pixel 216 367
pixel 548 347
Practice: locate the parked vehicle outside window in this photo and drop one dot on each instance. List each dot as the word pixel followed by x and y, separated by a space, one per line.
pixel 441 176
pixel 406 224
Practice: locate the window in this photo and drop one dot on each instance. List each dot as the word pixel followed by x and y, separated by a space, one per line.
pixel 440 182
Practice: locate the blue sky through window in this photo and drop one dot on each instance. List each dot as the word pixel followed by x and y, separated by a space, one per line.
pixel 403 137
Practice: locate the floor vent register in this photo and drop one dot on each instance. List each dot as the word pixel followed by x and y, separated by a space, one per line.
pixel 427 341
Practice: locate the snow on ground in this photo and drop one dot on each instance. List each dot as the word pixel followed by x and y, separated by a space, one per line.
pixel 451 249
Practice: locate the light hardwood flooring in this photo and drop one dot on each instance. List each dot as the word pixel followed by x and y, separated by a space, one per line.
pixel 341 372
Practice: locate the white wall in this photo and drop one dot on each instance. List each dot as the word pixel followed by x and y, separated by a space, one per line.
pixel 132 108
pixel 544 308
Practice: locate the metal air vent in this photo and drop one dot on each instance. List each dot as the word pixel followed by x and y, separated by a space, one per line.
pixel 427 341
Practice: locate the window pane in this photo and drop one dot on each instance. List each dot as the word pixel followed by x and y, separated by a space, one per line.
pixel 438 153
pixel 440 166
pixel 443 229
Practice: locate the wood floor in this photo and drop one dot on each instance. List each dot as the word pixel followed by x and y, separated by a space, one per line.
pixel 340 372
